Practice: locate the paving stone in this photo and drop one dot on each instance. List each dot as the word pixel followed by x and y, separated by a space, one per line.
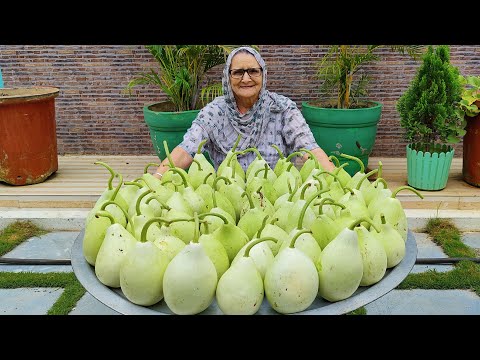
pixel 426 302
pixel 428 249
pixel 54 245
pixel 88 305
pixel 28 301
pixel 471 239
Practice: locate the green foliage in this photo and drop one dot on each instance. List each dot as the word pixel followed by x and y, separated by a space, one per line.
pixel 182 73
pixel 470 96
pixel 339 71
pixel 429 107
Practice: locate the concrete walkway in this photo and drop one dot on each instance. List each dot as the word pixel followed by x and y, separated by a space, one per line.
pixel 57 245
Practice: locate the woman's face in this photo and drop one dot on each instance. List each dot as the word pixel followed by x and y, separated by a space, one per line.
pixel 248 86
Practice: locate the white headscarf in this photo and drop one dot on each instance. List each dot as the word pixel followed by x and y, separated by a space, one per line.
pixel 253 123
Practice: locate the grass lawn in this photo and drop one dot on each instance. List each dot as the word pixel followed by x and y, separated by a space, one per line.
pixel 13 235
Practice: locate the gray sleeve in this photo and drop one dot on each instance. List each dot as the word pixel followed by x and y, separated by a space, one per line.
pixel 296 132
pixel 193 137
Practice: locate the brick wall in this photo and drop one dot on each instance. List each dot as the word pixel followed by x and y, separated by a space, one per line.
pixel 94 116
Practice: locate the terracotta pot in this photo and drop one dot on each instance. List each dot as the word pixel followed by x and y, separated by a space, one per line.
pixel 28 146
pixel 471 152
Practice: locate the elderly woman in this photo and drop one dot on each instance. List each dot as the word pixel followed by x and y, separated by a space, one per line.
pixel 261 117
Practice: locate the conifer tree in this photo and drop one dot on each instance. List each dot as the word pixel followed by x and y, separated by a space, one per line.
pixel 429 107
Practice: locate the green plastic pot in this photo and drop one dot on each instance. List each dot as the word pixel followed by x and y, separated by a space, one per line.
pixel 168 125
pixel 348 131
pixel 428 165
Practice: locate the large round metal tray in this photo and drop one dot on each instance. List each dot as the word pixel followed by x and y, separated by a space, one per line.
pixel 364 295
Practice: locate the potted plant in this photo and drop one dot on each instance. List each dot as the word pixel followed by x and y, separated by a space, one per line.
pixel 469 107
pixel 346 121
pixel 182 76
pixel 429 112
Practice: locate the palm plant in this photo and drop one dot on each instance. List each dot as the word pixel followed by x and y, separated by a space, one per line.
pixel 339 71
pixel 182 73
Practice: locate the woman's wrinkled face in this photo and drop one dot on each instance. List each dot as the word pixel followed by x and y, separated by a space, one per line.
pixel 247 86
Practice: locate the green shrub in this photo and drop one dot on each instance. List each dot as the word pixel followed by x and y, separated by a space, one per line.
pixel 429 107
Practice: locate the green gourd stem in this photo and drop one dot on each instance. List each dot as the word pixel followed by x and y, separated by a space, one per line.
pixel 380 168
pixel 207 228
pixel 297 235
pixel 179 220
pixel 382 180
pixel 145 169
pixel 206 177
pixel 280 153
pixel 139 199
pixel 234 168
pixel 255 242
pixel 229 162
pixel 405 187
pixel 266 171
pixel 366 176
pixel 201 216
pixel 156 197
pixel 143 233
pixel 117 188
pixel 104 213
pixel 302 193
pixel 362 219
pixel 321 203
pixel 265 168
pixel 335 160
pixel 331 202
pixel 255 150
pixel 296 153
pixel 312 156
pixel 196 231
pixel 113 202
pixel 138 180
pixel 264 223
pixel 359 162
pixel 250 202
pixel 198 164
pixel 337 170
pixel 133 183
pixel 274 220
pixel 290 189
pixel 112 173
pixel 236 142
pixel 217 179
pixel 349 189
pixel 319 183
pixel 289 166
pixel 306 205
pixel 170 161
pixel 144 182
pixel 199 150
pixel 184 180
pixel 328 173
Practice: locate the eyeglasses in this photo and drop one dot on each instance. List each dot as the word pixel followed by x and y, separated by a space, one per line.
pixel 252 72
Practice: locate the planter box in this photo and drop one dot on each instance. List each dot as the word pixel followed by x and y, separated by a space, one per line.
pixel 428 170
